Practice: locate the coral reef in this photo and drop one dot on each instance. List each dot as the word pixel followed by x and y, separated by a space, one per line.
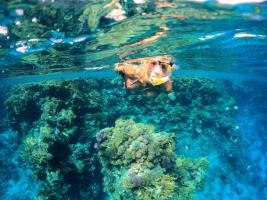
pixel 16 180
pixel 57 122
pixel 140 164
pixel 56 144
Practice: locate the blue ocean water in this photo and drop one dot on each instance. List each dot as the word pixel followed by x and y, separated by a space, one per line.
pixel 44 40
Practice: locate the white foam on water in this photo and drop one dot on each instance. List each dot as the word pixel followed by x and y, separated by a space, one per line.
pixel 22 49
pixel 207 37
pixel 56 41
pixel 34 20
pixel 19 12
pixel 18 23
pixel 248 35
pixel 234 2
pixel 199 0
pixel 80 39
pixel 3 30
pixel 139 1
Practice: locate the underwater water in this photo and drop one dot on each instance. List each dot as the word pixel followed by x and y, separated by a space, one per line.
pixel 70 130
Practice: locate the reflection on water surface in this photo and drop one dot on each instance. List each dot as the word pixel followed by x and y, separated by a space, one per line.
pixel 55 36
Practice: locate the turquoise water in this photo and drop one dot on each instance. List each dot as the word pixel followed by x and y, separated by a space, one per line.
pixel 59 91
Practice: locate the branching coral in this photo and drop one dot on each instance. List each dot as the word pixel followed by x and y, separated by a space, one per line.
pixel 59 151
pixel 35 152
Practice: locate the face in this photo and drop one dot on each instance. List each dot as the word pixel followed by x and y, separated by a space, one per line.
pixel 162 68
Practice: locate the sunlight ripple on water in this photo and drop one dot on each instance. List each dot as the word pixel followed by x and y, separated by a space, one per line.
pixel 187 31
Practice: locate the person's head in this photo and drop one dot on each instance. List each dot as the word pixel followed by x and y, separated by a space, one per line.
pixel 165 66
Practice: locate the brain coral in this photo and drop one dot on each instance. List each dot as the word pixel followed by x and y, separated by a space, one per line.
pixel 138 163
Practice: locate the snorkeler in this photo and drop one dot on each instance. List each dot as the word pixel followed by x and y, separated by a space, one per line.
pixel 147 74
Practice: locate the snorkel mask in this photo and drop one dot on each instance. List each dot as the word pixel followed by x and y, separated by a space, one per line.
pixel 167 69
